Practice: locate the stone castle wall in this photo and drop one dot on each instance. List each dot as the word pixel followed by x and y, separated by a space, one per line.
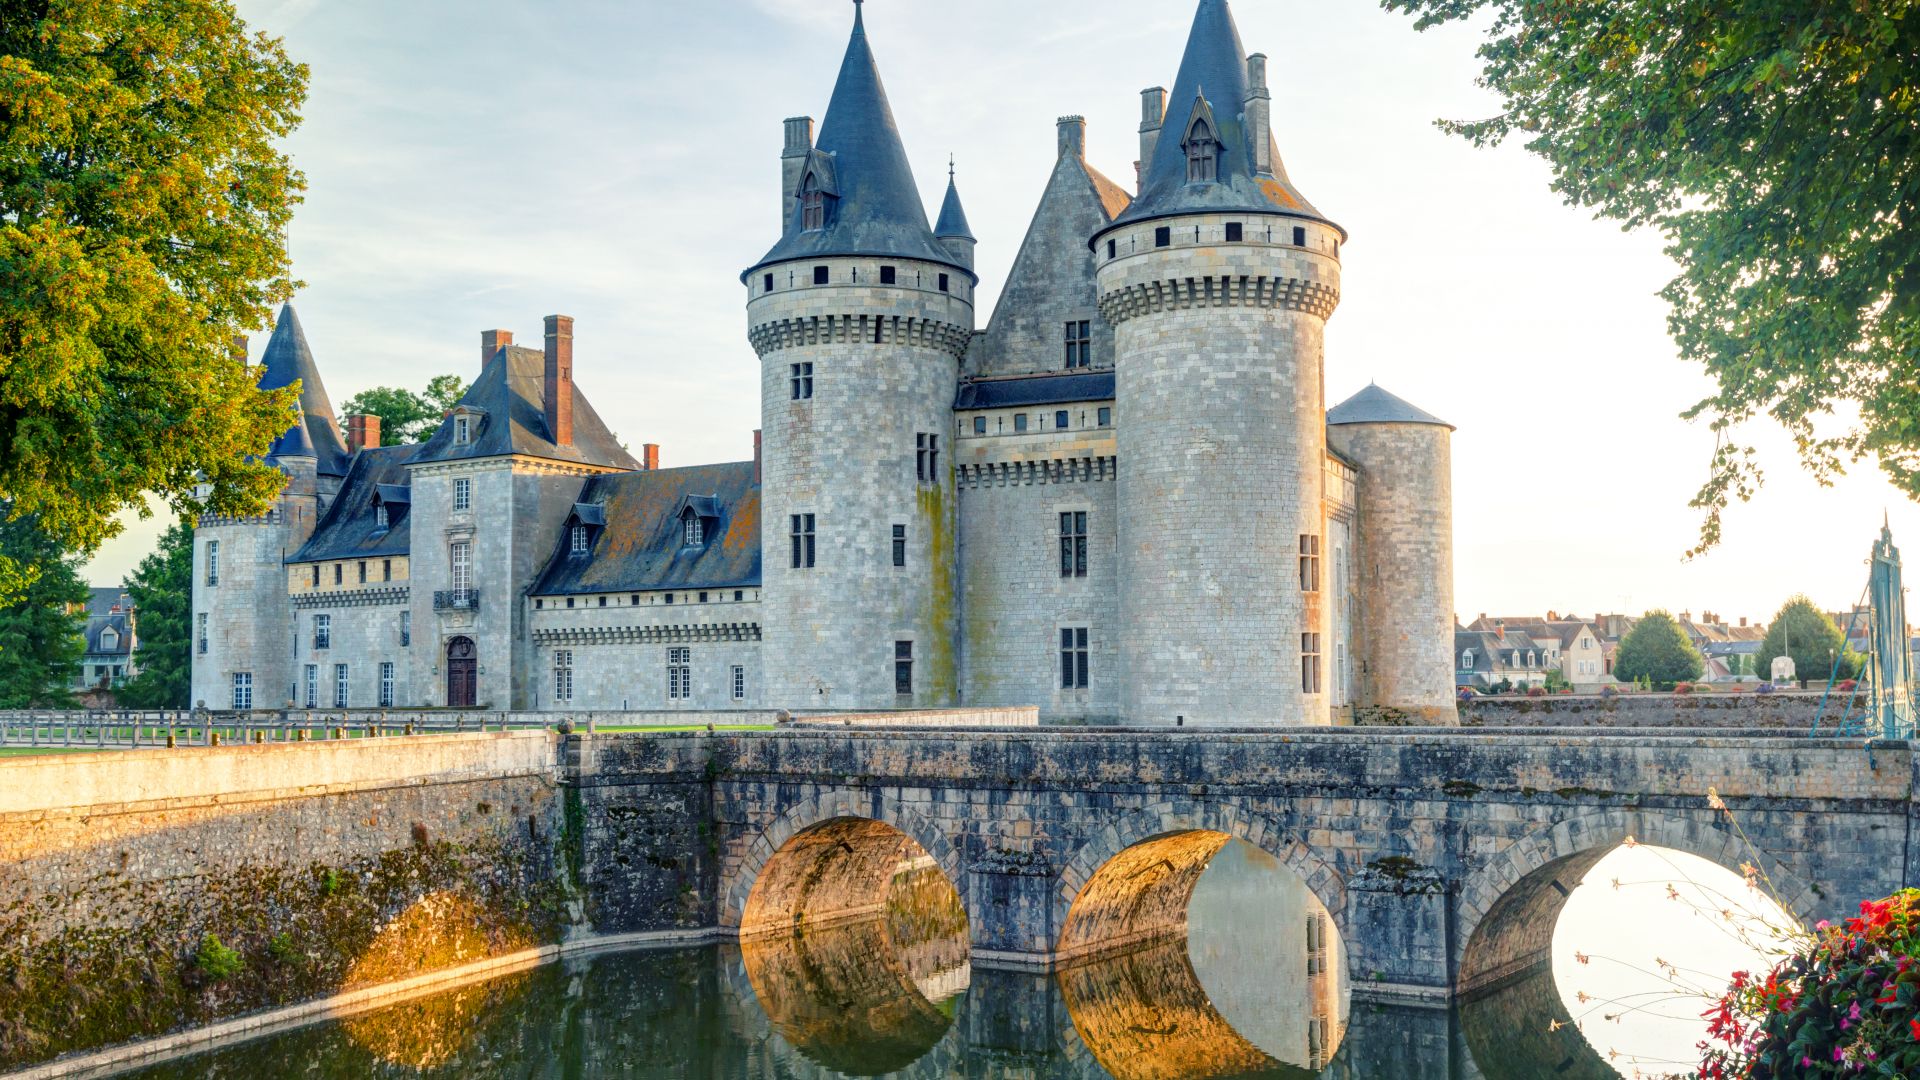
pixel 1787 713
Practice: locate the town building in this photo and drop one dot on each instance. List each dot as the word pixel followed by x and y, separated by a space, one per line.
pixel 112 638
pixel 1123 500
pixel 1571 647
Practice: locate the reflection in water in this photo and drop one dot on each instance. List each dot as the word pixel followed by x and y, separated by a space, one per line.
pixel 436 1032
pixel 1520 1030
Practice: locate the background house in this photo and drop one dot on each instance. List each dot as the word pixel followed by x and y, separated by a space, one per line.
pixel 112 641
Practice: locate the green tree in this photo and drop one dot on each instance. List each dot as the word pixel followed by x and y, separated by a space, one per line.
pixel 1804 632
pixel 143 207
pixel 1776 145
pixel 1657 649
pixel 404 415
pixel 41 629
pixel 162 591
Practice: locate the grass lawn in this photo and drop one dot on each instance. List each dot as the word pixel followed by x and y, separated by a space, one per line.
pixel 23 751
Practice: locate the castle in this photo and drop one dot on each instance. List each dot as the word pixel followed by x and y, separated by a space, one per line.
pixel 1123 501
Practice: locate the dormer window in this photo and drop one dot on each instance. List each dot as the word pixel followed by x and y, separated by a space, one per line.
pixel 466 423
pixel 109 641
pixel 1202 145
pixel 693 531
pixel 380 520
pixel 578 542
pixel 1466 660
pixel 390 502
pixel 581 524
pixel 462 431
pixel 813 207
pixel 817 191
pixel 697 515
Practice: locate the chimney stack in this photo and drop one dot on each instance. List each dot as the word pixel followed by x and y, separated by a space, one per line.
pixel 792 160
pixel 363 433
pixel 1259 108
pixel 650 457
pixel 1153 113
pixel 558 388
pixel 756 457
pixel 1073 136
pixel 491 342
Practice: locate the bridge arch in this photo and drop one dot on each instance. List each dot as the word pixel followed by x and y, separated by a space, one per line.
pixel 1509 906
pixel 1131 881
pixel 833 853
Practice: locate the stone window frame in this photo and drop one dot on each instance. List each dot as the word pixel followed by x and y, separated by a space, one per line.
pixel 562 675
pixel 926 457
pixel 903 667
pixel 342 685
pixel 680 673
pixel 1466 660
pixel 322 632
pixel 1310 643
pixel 1079 344
pixel 1309 562
pixel 243 691
pixel 406 629
pixel 311 685
pixel 579 542
pixel 738 682
pixel 213 562
pixel 1076 523
pixel 1075 657
pixel 1105 415
pixel 200 632
pixel 899 545
pixel 800 381
pixel 802 531
pixel 386 684
pixel 459 568
pixel 462 494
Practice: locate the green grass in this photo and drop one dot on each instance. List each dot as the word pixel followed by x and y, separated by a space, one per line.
pixel 26 751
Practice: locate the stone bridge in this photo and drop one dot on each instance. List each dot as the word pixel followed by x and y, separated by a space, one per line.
pixel 1443 857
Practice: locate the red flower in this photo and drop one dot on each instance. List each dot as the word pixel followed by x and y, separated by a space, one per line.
pixel 1914 1026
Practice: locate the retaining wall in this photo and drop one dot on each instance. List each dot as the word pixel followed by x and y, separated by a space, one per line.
pixel 1785 712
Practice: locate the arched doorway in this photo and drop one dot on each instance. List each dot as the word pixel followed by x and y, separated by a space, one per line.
pixel 462 673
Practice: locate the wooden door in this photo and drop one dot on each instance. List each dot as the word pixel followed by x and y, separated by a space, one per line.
pixel 462 669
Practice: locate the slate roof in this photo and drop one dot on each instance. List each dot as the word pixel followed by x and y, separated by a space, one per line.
pixel 349 530
pixel 1035 390
pixel 1490 652
pixel 511 390
pixel 97 624
pixel 1564 631
pixel 1214 71
pixel 953 216
pixel 102 599
pixel 878 209
pixel 640 548
pixel 317 435
pixel 1375 406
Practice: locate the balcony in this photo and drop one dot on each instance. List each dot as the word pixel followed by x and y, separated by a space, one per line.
pixel 456 600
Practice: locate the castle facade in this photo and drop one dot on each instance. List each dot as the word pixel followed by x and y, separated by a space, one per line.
pixel 1124 500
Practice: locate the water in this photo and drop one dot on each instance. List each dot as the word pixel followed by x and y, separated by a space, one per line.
pixel 1258 988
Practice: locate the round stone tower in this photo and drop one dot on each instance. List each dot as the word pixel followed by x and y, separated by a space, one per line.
pixel 859 315
pixel 1404 564
pixel 1218 281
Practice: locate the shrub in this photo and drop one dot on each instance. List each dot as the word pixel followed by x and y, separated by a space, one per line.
pixel 215 960
pixel 1468 693
pixel 1609 691
pixel 1536 691
pixel 1764 688
pixel 1702 688
pixel 1846 686
pixel 1844 1003
pixel 1683 688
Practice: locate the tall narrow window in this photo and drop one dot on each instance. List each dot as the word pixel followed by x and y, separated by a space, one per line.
pixel 340 686
pixel 813 206
pixel 386 569
pixel 363 571
pixel 460 559
pixel 380 517
pixel 242 690
pixel 312 697
pixel 692 532
pixel 200 634
pixel 801 381
pixel 739 683
pixel 926 458
pixel 577 540
pixel 462 430
pixel 213 564
pixel 1079 344
pixel 899 545
pixel 322 632
pixel 800 530
pixel 1073 658
pixel 406 629
pixel 1073 544
pixel 1309 563
pixel 386 684
pixel 1203 155
pixel 944 282
pixel 339 574
pixel 903 667
pixel 679 674
pixel 316 575
pixel 1309 663
pixel 563 675
pixel 463 494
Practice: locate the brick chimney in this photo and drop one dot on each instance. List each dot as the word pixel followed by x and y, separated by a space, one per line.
pixel 363 432
pixel 491 342
pixel 558 390
pixel 756 457
pixel 650 457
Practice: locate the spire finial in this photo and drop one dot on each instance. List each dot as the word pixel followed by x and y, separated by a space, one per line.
pixel 950 159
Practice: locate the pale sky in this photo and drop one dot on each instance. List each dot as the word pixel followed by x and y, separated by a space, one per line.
pixel 482 164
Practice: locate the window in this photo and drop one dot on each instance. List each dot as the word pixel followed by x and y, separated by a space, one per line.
pixel 363 571
pixel 577 540
pixel 739 683
pixel 1299 236
pixel 406 629
pixel 1341 685
pixel 322 632
pixel 703 598
pixel 1309 563
pixel 1236 232
pixel 386 685
pixel 1203 154
pixel 243 690
pixel 899 545
pixel 316 575
pixel 1113 247
pixel 1466 660
pixel 200 632
pixel 462 494
pixel 1073 543
pixel 563 675
pixel 603 601
pixel 739 595
pixel 1106 417
pixel 767 284
pixel 903 667
pixel 340 686
pixel 679 674
pixel 888 275
pixel 1309 663
pixel 669 598
pixel 801 381
pixel 800 529
pixel 1073 658
pixel 386 569
pixel 1162 236
pixel 569 601
pixel 339 574
pixel 1062 420
pixel 462 431
pixel 943 283
pixel 1020 422
pixel 813 206
pixel 926 461
pixel 312 695
pixel 460 559
pixel 979 425
pixel 1079 344
pixel 213 564
pixel 819 275
pixel 380 518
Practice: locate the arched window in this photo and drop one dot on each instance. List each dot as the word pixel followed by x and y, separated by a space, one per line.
pixel 813 206
pixel 1203 154
pixel 1466 660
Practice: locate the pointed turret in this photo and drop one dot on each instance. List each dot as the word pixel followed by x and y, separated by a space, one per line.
pixel 317 434
pixel 1205 158
pixel 855 194
pixel 952 228
pixel 1376 406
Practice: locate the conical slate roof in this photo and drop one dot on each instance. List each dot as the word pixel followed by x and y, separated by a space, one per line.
pixel 953 216
pixel 287 359
pixel 1214 72
pixel 1375 406
pixel 876 209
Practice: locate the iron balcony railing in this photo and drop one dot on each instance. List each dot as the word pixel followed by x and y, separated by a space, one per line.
pixel 456 600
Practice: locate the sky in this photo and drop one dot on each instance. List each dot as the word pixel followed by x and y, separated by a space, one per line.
pixel 481 163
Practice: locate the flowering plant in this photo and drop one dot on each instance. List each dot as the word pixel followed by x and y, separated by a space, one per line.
pixel 1845 1003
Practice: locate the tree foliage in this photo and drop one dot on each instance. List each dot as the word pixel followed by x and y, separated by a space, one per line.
pixel 143 204
pixel 1804 632
pixel 1776 145
pixel 41 629
pixel 162 591
pixel 1657 649
pixel 404 415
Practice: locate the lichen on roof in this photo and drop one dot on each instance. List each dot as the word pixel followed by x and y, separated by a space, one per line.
pixel 641 546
